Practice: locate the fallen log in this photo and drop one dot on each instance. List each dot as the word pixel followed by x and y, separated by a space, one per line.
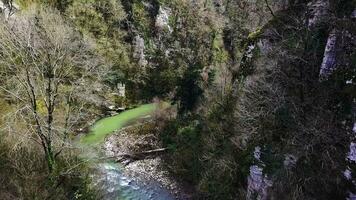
pixel 127 158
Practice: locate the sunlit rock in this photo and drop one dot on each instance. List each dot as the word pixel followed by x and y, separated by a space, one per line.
pixel 139 51
pixel 162 19
pixel 257 153
pixel 8 9
pixel 257 182
pixel 121 89
pixel 329 61
pixel 318 13
pixel 352 153
pixel 352 196
pixel 249 52
pixel 348 174
pixel 353 14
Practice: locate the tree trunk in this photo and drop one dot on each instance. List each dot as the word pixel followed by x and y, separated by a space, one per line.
pixel 51 162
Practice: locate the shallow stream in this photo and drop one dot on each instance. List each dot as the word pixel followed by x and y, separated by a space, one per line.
pixel 107 175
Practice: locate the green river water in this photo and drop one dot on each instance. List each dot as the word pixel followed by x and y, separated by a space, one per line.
pixel 109 176
pixel 108 125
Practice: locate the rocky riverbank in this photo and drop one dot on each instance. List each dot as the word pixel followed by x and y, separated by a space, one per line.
pixel 144 169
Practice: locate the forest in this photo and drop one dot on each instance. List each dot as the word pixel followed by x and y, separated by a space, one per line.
pixel 178 99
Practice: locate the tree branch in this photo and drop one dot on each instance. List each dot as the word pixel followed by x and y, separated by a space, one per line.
pixel 269 8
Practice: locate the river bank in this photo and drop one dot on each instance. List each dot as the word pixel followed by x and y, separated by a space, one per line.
pixel 119 173
pixel 147 170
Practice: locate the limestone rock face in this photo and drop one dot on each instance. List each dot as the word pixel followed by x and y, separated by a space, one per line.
pixel 8 9
pixel 338 51
pixel 352 154
pixel 329 60
pixel 121 89
pixel 139 51
pixel 340 45
pixel 349 174
pixel 353 15
pixel 257 183
pixel 162 19
pixel 318 13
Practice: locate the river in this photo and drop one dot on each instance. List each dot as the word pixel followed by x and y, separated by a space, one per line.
pixel 107 175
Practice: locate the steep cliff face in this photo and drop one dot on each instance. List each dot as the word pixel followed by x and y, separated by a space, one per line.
pixel 265 90
pixel 320 56
pixel 283 118
pixel 339 65
pixel 329 59
pixel 318 13
pixel 139 51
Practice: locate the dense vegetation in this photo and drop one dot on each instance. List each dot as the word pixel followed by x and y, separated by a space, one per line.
pixel 247 79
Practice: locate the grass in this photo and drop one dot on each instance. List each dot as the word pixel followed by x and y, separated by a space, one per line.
pixel 107 126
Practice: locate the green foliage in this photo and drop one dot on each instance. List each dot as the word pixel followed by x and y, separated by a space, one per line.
pixel 274 101
pixel 100 21
pixel 189 89
pixel 343 8
pixel 114 77
pixel 52 59
pixel 24 175
pixel 92 14
pixel 254 35
pixel 220 55
pixel 174 57
pixel 161 79
pixel 141 18
pixel 278 104
pixel 184 141
pixel 87 18
pixel 5 108
pixel 60 5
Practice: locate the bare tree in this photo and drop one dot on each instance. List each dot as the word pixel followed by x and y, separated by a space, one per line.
pixel 44 64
